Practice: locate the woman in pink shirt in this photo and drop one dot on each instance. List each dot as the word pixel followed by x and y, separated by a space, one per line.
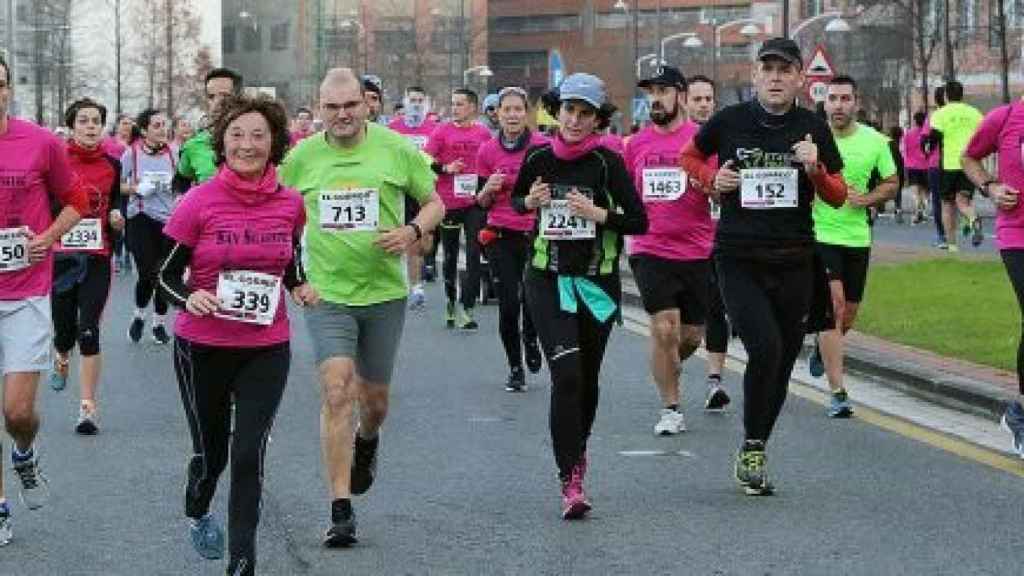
pixel 1002 133
pixel 507 236
pixel 238 235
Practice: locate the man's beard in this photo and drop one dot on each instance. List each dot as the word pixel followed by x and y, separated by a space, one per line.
pixel 663 117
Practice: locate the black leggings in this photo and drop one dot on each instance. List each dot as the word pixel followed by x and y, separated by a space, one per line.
pixel 508 256
pixel 150 247
pixel 77 310
pixel 716 338
pixel 470 219
pixel 211 379
pixel 1013 259
pixel 768 304
pixel 574 347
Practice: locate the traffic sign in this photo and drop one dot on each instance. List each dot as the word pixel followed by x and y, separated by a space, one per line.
pixel 556 68
pixel 817 90
pixel 820 66
pixel 641 110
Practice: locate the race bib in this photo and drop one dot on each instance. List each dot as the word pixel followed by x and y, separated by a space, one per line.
pixel 250 297
pixel 152 182
pixel 766 188
pixel 13 249
pixel 420 142
pixel 558 223
pixel 356 210
pixel 663 184
pixel 86 235
pixel 465 185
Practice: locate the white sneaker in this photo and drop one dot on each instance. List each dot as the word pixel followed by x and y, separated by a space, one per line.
pixel 418 298
pixel 671 422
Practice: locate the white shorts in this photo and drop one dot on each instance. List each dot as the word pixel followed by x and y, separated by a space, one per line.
pixel 26 335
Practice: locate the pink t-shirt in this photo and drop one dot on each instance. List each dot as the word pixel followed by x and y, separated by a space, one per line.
pixel 229 229
pixel 1002 132
pixel 34 170
pixel 418 135
pixel 913 156
pixel 113 147
pixel 680 228
pixel 935 158
pixel 613 143
pixel 449 143
pixel 493 158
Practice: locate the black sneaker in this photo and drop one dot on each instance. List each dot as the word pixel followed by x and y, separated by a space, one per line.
pixel 717 397
pixel 533 357
pixel 516 380
pixel 342 531
pixel 135 330
pixel 752 469
pixel 364 464
pixel 430 273
pixel 160 335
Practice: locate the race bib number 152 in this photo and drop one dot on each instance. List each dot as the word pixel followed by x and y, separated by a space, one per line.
pixel 768 188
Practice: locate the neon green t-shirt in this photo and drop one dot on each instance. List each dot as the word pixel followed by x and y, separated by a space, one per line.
pixel 862 152
pixel 342 262
pixel 196 160
pixel 957 122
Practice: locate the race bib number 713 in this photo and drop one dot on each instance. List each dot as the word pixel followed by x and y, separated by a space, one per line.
pixel 350 210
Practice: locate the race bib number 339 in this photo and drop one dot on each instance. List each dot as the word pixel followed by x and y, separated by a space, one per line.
pixel 767 188
pixel 353 210
pixel 13 249
pixel 250 297
pixel 559 223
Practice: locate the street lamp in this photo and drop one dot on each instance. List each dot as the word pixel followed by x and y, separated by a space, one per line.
pixel 836 23
pixel 655 62
pixel 483 71
pixel 692 41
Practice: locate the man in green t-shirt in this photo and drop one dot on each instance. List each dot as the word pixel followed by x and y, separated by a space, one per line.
pixel 953 125
pixel 196 160
pixel 843 234
pixel 355 177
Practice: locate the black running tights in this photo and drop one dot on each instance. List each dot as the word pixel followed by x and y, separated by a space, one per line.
pixel 716 337
pixel 508 256
pixel 1014 261
pixel 150 247
pixel 470 220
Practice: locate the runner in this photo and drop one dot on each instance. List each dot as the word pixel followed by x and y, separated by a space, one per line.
pixel 498 163
pixel 671 261
pixel 775 158
pixel 490 118
pixel 454 146
pixel 917 167
pixel 953 125
pixel 585 202
pixel 239 237
pixel 183 132
pixel 147 169
pixel 354 179
pixel 303 126
pixel 843 234
pixel 700 105
pixel 36 179
pixel 197 157
pixel 374 89
pixel 930 146
pixel 82 263
pixel 417 128
pixel 115 145
pixel 1002 133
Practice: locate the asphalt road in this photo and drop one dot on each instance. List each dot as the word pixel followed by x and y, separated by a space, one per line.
pixel 467 480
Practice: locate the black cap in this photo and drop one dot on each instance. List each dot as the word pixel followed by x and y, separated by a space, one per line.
pixel 666 76
pixel 781 48
pixel 372 83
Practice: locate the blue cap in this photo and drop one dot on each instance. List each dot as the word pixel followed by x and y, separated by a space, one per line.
pixel 491 101
pixel 585 87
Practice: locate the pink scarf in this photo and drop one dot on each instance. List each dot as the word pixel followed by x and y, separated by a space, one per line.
pixel 570 152
pixel 249 191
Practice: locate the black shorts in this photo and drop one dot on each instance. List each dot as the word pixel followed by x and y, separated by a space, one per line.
pixel 849 266
pixel 917 178
pixel 672 284
pixel 955 182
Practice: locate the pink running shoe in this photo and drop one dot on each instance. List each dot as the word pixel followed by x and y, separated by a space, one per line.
pixel 574 501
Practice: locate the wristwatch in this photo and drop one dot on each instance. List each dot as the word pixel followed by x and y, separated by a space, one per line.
pixel 416 228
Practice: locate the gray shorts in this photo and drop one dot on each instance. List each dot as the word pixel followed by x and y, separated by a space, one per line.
pixel 367 334
pixel 26 335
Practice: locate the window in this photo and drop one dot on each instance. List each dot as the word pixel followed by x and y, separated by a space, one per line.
pixel 968 15
pixel 534 24
pixel 279 36
pixel 252 38
pixel 227 41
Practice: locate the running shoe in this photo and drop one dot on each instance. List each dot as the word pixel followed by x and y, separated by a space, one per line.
pixel 87 419
pixel 35 490
pixel 670 423
pixel 466 320
pixel 5 525
pixel 449 315
pixel 918 218
pixel 364 464
pixel 941 245
pixel 839 406
pixel 752 469
pixel 899 217
pixel 135 330
pixel 953 248
pixel 533 357
pixel 59 375
pixel 417 298
pixel 977 233
pixel 160 335
pixel 717 397
pixel 815 363
pixel 574 502
pixel 516 380
pixel 1013 422
pixel 342 531
pixel 207 537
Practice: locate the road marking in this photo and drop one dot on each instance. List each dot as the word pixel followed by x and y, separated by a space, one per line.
pixel 488 419
pixel 642 453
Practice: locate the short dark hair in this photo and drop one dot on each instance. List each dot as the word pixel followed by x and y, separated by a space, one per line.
pixel 270 109
pixel 302 109
pixel 954 91
pixel 895 133
pixel 940 96
pixel 701 78
pixel 7 70
pixel 419 89
pixel 469 94
pixel 78 105
pixel 236 78
pixel 844 80
pixel 919 118
pixel 144 117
